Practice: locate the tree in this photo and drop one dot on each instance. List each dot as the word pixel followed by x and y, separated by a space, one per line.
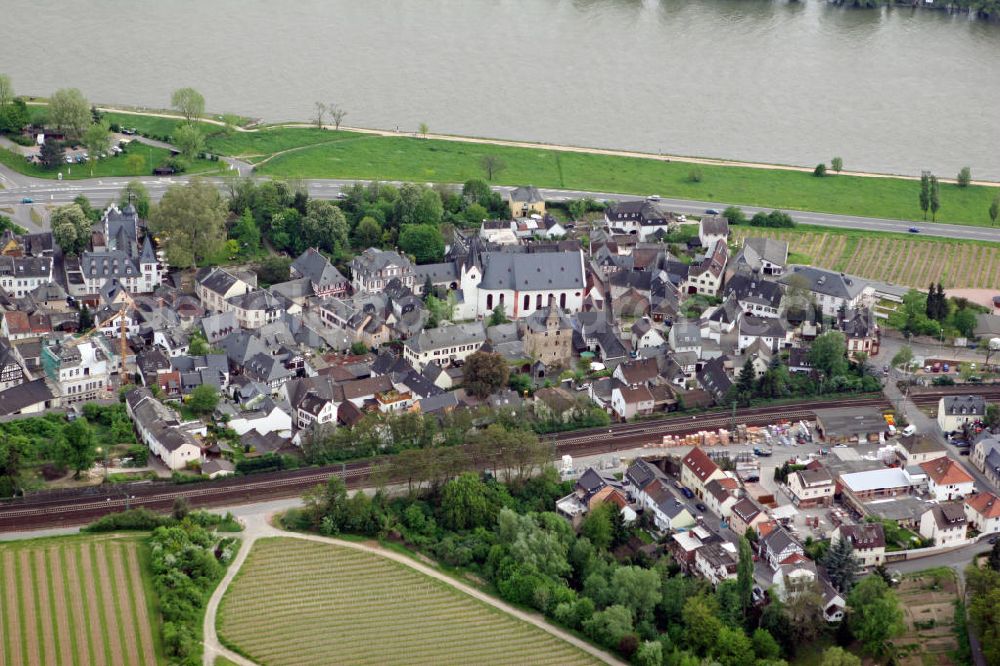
pixel 246 233
pixel 77 447
pixel 995 209
pixel 925 192
pixel 820 170
pixel 837 164
pixel 69 111
pixel 320 113
pixel 6 91
pixel 484 373
pixel 465 503
pixel 994 559
pixel 474 214
pixel 204 399
pixel 323 227
pixel 733 648
pixel 597 526
pixel 86 318
pixel 903 358
pixel 53 154
pixel 191 221
pixel 181 508
pixel 97 139
pixel 368 233
pixel 964 177
pixel 423 241
pixel 337 114
pixel 423 129
pixel 189 103
pixel 842 566
pixel 609 626
pixel 136 194
pixel 14 116
pixel 135 163
pixel 273 269
pixel 492 165
pixel 935 198
pixel 992 419
pixel 838 656
pixel 744 576
pixel 764 645
pixel 70 228
pixel 745 383
pixel 734 215
pixel 874 615
pixel 828 354
pixel 497 317
pixel 189 140
pixel 650 653
pixel 703 626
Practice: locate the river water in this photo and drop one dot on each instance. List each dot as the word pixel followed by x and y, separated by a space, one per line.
pixel 895 90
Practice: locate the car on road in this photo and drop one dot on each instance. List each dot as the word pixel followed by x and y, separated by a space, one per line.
pixel 964 452
pixel 687 492
pixel 945 368
pixel 27 200
pixel 653 197
pixel 701 507
pixel 763 453
pixel 994 538
pixel 914 230
pixel 909 430
pixel 711 211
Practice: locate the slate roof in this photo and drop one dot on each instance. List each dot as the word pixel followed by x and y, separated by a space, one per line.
pixel 526 194
pixel 714 379
pixel 964 405
pixel 313 265
pixel 533 272
pixel 715 225
pixel 438 273
pixel 830 283
pixel 646 213
pixel 24 395
pixel 756 250
pixel 949 514
pixel 865 536
pixel 448 336
pixel 218 280
pixel 754 290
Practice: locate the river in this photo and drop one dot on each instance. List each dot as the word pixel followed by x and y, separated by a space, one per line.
pixel 893 90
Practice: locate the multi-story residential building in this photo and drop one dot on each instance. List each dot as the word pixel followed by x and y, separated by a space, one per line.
pixel 811 487
pixel 325 279
pixel 944 524
pixel 258 308
pixel 116 254
pixel 982 511
pixel 947 480
pixel 161 429
pixel 917 449
pixel 761 256
pixel 643 219
pixel 861 331
pixel 215 286
pixel 697 469
pixel 80 370
pixel 706 277
pixel 525 201
pixel 444 345
pixel 717 561
pixel 19 276
pixel 954 411
pixel 373 269
pixel 712 229
pixel 867 539
pixel 830 290
pixel 12 371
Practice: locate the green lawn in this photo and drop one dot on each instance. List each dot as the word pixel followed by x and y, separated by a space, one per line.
pixel 269 141
pixel 106 168
pixel 407 158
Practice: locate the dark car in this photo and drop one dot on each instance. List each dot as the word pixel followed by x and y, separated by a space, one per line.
pixel 687 492
pixel 914 230
pixel 711 211
pixel 701 507
pixel 994 538
pixel 27 200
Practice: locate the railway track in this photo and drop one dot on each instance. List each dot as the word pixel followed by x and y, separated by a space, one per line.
pixel 76 508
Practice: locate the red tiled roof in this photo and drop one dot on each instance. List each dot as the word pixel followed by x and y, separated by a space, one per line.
pixel 946 472
pixel 700 464
pixel 986 505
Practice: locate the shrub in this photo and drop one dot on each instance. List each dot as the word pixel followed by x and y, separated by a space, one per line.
pixel 141 519
pixel 820 170
pixel 695 175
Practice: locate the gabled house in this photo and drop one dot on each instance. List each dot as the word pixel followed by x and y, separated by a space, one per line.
pixel 714 379
pixel 779 547
pixel 324 278
pixel 215 286
pixel 867 539
pixel 917 449
pixel 525 201
pixel 697 469
pixel 830 290
pixel 861 331
pixel 444 345
pixel 645 336
pixel 712 229
pixel 955 411
pixel 685 336
pixel 706 277
pixel 746 514
pixel 629 402
pixel 947 480
pixel 762 256
pixel 717 561
pixel 761 298
pixel 944 524
pixel 161 429
pixel 720 496
pixel 811 487
pixel 373 269
pixel 982 511
pixel 642 219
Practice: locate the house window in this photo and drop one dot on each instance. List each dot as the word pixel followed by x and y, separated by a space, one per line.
pixel 538 302
pixel 527 301
pixel 489 301
pixel 562 300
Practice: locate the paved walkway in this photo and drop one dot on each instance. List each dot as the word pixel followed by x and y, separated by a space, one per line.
pixel 257 526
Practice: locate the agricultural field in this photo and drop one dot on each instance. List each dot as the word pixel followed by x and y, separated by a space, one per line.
pixel 928 601
pixel 301 602
pixel 76 601
pixel 892 258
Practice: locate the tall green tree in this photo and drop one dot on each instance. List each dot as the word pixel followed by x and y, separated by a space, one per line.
pixel 69 112
pixel 53 154
pixel 245 232
pixel 964 177
pixel 484 373
pixel 189 140
pixel 838 656
pixel 136 194
pixel 188 102
pixel 423 241
pixel 837 164
pixel 70 228
pixel 842 566
pixel 935 202
pixel 324 227
pixel 828 354
pixel 6 91
pixel 994 209
pixel 744 576
pixel 191 220
pixel 745 383
pixel 368 233
pixel 77 447
pixel 874 615
pixel 465 503
pixel 925 192
pixel 97 139
pixel 204 399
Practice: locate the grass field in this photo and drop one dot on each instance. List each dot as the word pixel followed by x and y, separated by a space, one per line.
pixel 76 601
pixel 299 602
pixel 896 258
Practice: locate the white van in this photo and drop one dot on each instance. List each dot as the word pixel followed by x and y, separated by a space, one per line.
pixel 909 430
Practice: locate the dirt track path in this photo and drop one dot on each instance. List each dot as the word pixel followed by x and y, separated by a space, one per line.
pixel 13 617
pixel 145 627
pixel 87 569
pixel 75 591
pixel 45 609
pixel 106 587
pixel 30 613
pixel 120 582
pixel 60 606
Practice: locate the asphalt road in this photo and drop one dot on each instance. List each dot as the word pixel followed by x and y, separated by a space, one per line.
pixel 100 191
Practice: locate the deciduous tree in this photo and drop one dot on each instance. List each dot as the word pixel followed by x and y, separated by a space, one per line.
pixel 484 373
pixel 935 201
pixel 492 165
pixel 6 91
pixel 828 354
pixel 70 228
pixel 964 177
pixel 136 194
pixel 337 113
pixel 77 447
pixel 188 102
pixel 97 139
pixel 837 164
pixel 744 576
pixel 838 656
pixel 319 114
pixel 874 615
pixel 189 140
pixel 423 241
pixel 191 221
pixel 69 112
pixel 925 192
pixel 368 233
pixel 204 399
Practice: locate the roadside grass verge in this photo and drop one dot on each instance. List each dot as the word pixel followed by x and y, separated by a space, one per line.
pixel 112 167
pixel 433 160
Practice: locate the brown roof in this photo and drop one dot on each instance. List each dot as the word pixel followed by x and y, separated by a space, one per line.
pixel 921 443
pixel 362 388
pixel 865 536
pixel 986 505
pixel 638 394
pixel 946 472
pixel 949 514
pixel 17 322
pixel 639 372
pixel 700 464
pixel 747 509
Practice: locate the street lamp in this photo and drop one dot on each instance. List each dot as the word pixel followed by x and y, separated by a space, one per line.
pixel 100 451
